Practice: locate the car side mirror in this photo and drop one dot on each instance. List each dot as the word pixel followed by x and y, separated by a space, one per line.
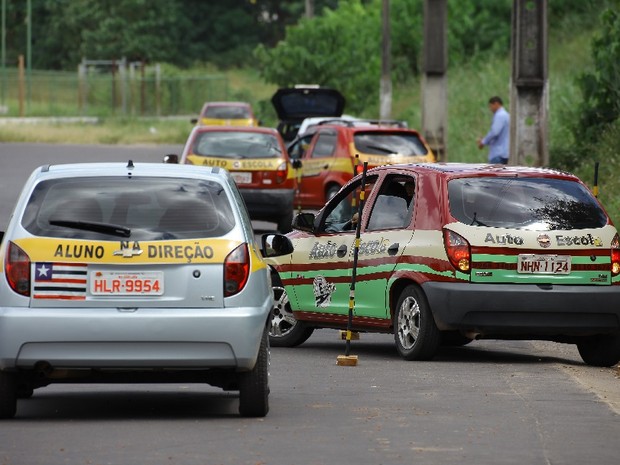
pixel 276 245
pixel 193 120
pixel 304 222
pixel 171 158
pixel 296 163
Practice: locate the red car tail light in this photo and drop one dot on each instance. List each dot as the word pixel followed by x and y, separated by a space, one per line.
pixel 281 173
pixel 17 269
pixel 236 270
pixel 458 250
pixel 615 255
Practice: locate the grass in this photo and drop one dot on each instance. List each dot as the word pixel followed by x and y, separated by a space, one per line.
pixel 109 131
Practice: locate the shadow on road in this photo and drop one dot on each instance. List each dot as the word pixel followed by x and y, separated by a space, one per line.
pixel 480 352
pixel 127 404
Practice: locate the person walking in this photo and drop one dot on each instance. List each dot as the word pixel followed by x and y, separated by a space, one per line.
pixel 498 137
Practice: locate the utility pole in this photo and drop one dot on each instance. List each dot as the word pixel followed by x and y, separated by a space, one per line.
pixel 434 79
pixel 29 53
pixel 3 58
pixel 309 8
pixel 529 95
pixel 385 89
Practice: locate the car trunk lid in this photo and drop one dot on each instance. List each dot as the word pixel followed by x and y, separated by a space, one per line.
pixel 176 273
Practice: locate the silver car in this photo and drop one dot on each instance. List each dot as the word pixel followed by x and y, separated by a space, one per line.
pixel 114 272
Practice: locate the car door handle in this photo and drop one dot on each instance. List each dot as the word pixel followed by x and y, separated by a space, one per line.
pixel 342 251
pixel 325 167
pixel 393 249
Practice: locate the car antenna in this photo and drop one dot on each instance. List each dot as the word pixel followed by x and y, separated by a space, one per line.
pixel 130 165
pixel 595 187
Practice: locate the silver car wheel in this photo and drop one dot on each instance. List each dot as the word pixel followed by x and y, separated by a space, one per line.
pixel 282 320
pixel 408 322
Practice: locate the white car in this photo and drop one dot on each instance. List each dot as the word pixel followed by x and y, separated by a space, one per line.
pixel 313 121
pixel 115 272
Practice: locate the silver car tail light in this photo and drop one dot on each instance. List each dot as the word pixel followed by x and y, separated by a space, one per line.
pixel 236 270
pixel 17 269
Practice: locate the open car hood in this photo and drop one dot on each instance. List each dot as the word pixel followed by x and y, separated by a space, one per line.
pixel 298 103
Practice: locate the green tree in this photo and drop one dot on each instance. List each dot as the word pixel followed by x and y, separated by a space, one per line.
pixel 337 49
pixel 601 86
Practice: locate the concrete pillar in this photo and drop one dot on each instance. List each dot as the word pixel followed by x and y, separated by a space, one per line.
pixel 434 80
pixel 385 87
pixel 529 96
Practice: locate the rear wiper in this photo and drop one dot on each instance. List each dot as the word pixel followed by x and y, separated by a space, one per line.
pixel 476 221
pixel 114 229
pixel 381 149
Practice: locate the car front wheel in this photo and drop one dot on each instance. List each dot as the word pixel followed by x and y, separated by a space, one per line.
pixel 254 384
pixel 415 332
pixel 285 330
pixel 600 351
pixel 8 395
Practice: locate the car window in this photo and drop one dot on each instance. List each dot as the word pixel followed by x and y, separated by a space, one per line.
pixel 394 204
pixel 388 143
pixel 236 144
pixel 325 145
pixel 524 203
pixel 148 208
pixel 341 213
pixel 224 112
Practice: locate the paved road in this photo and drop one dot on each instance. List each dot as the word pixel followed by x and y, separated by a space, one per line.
pixel 487 403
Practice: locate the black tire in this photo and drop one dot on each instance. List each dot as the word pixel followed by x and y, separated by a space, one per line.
pixel 8 395
pixel 600 351
pixel 285 223
pixel 284 329
pixel 454 339
pixel 254 384
pixel 331 191
pixel 24 391
pixel 415 332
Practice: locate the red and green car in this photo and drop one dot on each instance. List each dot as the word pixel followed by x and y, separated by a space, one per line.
pixel 450 253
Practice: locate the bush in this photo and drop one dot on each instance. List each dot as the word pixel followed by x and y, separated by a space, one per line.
pixel 601 87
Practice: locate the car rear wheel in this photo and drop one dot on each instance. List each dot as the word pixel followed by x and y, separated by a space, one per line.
pixel 24 391
pixel 600 351
pixel 331 191
pixel 415 332
pixel 285 330
pixel 8 395
pixel 254 385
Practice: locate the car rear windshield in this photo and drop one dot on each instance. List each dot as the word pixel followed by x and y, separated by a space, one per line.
pixel 237 144
pixel 389 143
pixel 524 203
pixel 136 208
pixel 224 112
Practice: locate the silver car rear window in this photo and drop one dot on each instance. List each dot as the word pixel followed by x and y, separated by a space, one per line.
pixel 137 208
pixel 524 203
